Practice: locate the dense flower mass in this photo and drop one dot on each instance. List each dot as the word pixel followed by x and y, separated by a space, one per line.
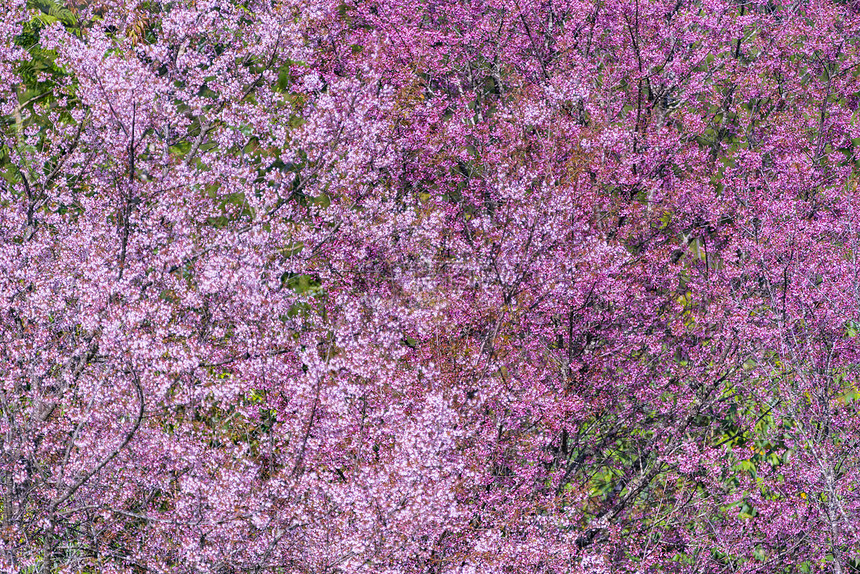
pixel 429 286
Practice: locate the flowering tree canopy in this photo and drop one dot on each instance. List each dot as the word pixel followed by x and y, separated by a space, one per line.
pixel 429 286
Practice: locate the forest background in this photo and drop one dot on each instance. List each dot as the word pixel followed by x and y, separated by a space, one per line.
pixel 461 286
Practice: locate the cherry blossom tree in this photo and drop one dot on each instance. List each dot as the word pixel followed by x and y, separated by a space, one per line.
pixel 429 286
